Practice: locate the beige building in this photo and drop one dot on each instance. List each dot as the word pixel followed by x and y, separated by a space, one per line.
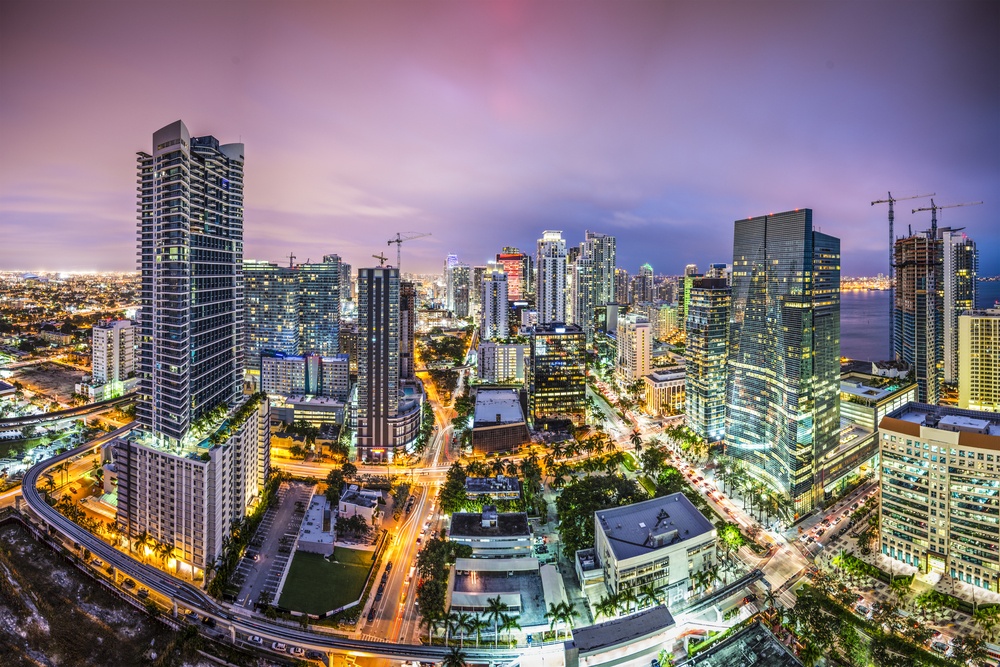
pixel 940 475
pixel 635 348
pixel 979 360
pixel 664 391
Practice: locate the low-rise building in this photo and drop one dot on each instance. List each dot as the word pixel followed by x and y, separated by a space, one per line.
pixel 523 584
pixel 498 423
pixel 659 543
pixel 663 391
pixel 356 501
pixel 491 534
pixel 632 641
pixel 498 488
pixel 316 533
pixel 940 475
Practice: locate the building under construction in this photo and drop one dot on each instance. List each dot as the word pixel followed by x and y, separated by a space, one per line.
pixel 918 315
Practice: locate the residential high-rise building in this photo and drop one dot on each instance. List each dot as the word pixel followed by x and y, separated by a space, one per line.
pixel 961 266
pixel 202 449
pixel 602 250
pixel 502 363
pixel 319 306
pixel 783 386
pixel 113 351
pixel 938 488
pixel 707 345
pixel 550 294
pixel 493 321
pixel 978 352
pixel 691 270
pixel 346 282
pixel 557 373
pixel 388 409
pixel 308 374
pixel 271 298
pixel 583 294
pixel 515 265
pixel 684 302
pixel 407 328
pixel 635 348
pixel 461 290
pixel 476 291
pixel 449 285
pixel 622 284
pixel 643 289
pixel 918 314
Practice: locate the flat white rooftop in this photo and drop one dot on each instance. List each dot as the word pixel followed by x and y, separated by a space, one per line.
pixel 498 406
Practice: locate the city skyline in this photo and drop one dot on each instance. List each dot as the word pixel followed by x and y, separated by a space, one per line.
pixel 648 122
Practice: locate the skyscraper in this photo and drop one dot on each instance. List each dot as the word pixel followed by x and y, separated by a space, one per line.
pixel 461 290
pixel 583 295
pixel 557 373
pixel 515 266
pixel 550 294
pixel 621 286
pixel 493 321
pixel 272 310
pixel 782 394
pixel 201 453
pixel 978 351
pixel 643 284
pixel 918 315
pixel 388 409
pixel 113 351
pixel 319 306
pixel 449 286
pixel 961 266
pixel 602 249
pixel 634 342
pixel 707 343
pixel 407 328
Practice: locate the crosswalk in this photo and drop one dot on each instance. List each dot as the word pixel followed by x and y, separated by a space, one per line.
pixel 373 638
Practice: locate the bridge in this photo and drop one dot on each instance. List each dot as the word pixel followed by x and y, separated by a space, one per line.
pixel 69 413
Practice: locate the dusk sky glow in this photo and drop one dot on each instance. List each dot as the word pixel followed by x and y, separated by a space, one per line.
pixel 486 123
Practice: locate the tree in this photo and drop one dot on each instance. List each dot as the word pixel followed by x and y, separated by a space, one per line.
pixel 509 623
pixel 585 496
pixel 968 649
pixel 851 646
pixel 810 653
pixel 607 606
pixel 296 451
pixel 28 431
pixel 569 615
pixel 650 595
pixel 334 483
pixel 495 609
pixel 464 623
pixel 454 658
pixel 349 470
pixel 453 492
pixel 636 439
pixel 987 619
pixel 143 540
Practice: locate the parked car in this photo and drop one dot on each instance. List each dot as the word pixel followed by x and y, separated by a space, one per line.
pixel 295 650
pixel 97 562
pixel 255 639
pixel 128 583
pixel 278 646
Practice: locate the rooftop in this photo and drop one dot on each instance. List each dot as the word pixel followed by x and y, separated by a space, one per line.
pixel 749 647
pixel 359 497
pixel 975 428
pixel 497 406
pixel 621 630
pixel 643 527
pixel 667 374
pixel 492 484
pixel 470 524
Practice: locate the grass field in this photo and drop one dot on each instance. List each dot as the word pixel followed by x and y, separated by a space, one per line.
pixel 316 586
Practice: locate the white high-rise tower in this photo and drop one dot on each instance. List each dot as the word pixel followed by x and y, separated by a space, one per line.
pixel 550 294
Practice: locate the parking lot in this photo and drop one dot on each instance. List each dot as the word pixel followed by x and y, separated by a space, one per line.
pixel 266 560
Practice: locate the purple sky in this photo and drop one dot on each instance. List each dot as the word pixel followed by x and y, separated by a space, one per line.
pixel 486 123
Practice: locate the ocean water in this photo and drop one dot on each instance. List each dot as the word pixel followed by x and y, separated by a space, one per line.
pixel 864 321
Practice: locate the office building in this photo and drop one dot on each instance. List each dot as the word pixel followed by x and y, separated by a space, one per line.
pixel 493 323
pixel 550 293
pixel 502 363
pixel 707 347
pixel 938 488
pixel 271 297
pixel 319 306
pixel 112 351
pixel 407 328
pixel 960 270
pixel 663 391
pixel 201 453
pixel 461 281
pixel 634 342
pixel 659 543
pixel 310 374
pixel 514 264
pixel 783 369
pixel 979 360
pixel 389 409
pixel 498 421
pixel 557 374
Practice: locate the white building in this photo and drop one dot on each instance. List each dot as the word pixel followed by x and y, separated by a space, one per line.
pixel 492 534
pixel 310 374
pixel 550 294
pixel 635 348
pixel 659 543
pixel 493 297
pixel 961 266
pixel 502 363
pixel 113 351
pixel 357 501
pixel 663 391
pixel 979 360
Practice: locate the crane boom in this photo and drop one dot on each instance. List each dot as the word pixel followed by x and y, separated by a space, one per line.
pixel 892 274
pixel 934 208
pixel 404 236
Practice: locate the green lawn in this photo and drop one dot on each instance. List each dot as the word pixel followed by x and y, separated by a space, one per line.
pixel 316 586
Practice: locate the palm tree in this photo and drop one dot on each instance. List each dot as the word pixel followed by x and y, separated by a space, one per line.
pixel 636 439
pixel 49 486
pixel 454 658
pixel 494 610
pixel 810 654
pixel 450 622
pixel 628 598
pixel 650 595
pixel 770 599
pixel 606 606
pixel 569 615
pixel 554 614
pixel 142 540
pixel 432 621
pixel 465 624
pixel 477 625
pixel 509 623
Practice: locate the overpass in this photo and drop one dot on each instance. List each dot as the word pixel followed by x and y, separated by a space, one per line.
pixel 183 595
pixel 79 411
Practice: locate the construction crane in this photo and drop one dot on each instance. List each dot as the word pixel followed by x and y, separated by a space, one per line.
pixel 404 236
pixel 934 208
pixel 291 259
pixel 892 273
pixel 381 259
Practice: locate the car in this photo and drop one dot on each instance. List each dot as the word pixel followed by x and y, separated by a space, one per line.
pixel 371 614
pixel 295 650
pixel 419 540
pixel 97 562
pixel 128 583
pixel 143 593
pixel 750 598
pixel 315 655
pixel 278 646
pixel 255 639
pixel 863 610
pixel 939 646
pixel 388 566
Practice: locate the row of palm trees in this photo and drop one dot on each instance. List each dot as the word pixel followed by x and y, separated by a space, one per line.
pixel 764 500
pixel 464 625
pixel 143 542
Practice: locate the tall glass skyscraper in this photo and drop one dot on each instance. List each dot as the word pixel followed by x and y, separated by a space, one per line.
pixel 783 388
pixel 550 295
pixel 202 451
pixel 271 296
pixel 319 306
pixel 961 268
pixel 707 344
pixel 918 315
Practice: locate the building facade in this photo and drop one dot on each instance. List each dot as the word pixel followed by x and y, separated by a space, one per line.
pixel 113 351
pixel 960 269
pixel 938 486
pixel 493 323
pixel 557 372
pixel 550 292
pixel 634 349
pixel 319 306
pixel 502 363
pixel 707 347
pixel 514 264
pixel 663 391
pixel 783 362
pixel 407 329
pixel 918 313
pixel 272 310
pixel 309 374
pixel 201 453
pixel 978 355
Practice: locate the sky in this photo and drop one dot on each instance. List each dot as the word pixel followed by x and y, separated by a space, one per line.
pixel 485 123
